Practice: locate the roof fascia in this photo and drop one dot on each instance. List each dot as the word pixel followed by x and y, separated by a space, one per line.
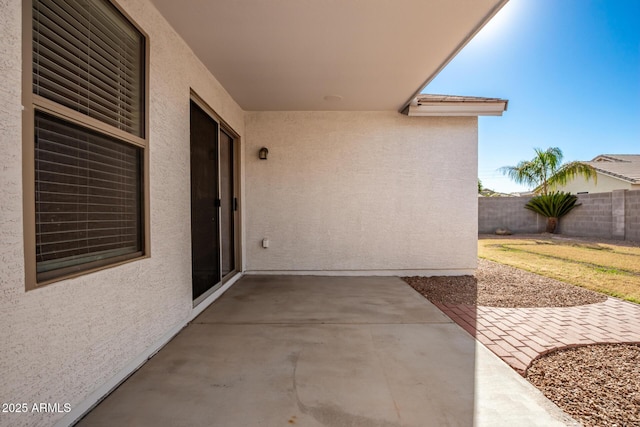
pixel 456 109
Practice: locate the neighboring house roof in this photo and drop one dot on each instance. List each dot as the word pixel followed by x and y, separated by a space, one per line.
pixel 318 55
pixel 622 166
pixel 449 105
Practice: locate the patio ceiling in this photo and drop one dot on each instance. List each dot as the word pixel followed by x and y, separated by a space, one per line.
pixel 287 55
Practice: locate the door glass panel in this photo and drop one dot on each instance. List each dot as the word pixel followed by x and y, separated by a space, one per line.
pixel 227 203
pixel 205 237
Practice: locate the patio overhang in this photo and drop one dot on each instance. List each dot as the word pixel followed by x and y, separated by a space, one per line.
pixel 445 105
pixel 347 55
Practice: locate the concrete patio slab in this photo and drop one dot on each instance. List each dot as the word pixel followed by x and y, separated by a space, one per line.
pixel 314 299
pixel 324 351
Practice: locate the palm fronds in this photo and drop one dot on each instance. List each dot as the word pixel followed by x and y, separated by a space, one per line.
pixel 546 170
pixel 552 206
pixel 569 171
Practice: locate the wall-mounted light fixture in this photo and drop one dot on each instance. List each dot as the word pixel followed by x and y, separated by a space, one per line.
pixel 263 153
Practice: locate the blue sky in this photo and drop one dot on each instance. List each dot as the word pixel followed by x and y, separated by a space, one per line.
pixel 571 72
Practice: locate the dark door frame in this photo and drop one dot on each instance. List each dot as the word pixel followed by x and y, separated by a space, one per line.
pixel 223 127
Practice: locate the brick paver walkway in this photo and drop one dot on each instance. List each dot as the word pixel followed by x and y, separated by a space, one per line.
pixel 519 335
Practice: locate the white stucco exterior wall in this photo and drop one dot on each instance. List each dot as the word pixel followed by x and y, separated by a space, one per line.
pixel 361 193
pixel 62 342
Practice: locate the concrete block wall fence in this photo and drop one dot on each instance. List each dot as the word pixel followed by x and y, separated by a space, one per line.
pixel 593 219
pixel 508 212
pixel 613 215
pixel 632 216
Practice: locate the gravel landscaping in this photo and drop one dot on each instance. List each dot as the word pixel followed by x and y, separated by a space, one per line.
pixel 598 385
pixel 498 285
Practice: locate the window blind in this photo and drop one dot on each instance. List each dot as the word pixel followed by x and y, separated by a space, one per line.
pixel 88 197
pixel 88 57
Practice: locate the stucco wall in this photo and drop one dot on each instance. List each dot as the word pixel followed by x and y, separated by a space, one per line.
pixel 361 193
pixel 604 184
pixel 61 342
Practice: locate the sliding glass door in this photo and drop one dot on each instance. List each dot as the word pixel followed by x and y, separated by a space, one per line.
pixel 213 203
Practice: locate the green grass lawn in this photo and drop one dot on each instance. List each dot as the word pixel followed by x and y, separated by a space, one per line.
pixel 603 267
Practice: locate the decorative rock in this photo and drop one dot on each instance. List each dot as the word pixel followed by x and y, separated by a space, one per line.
pixel 503 232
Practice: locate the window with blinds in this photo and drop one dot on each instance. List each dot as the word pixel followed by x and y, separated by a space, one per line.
pixel 88 205
pixel 87 57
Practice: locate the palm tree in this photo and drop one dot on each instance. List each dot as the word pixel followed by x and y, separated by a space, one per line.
pixel 546 170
